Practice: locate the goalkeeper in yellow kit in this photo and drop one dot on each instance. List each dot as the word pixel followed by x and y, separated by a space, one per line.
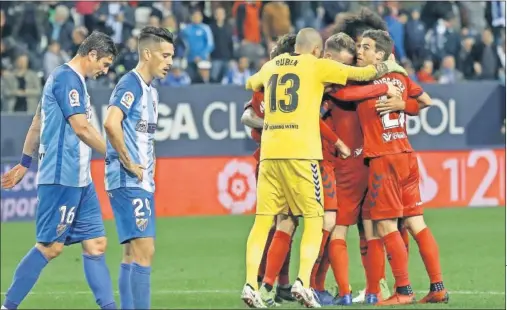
pixel 289 175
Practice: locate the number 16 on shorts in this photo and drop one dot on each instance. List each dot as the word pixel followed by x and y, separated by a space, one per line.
pixel 134 213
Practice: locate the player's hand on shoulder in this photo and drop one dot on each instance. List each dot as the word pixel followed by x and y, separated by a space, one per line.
pixel 13 176
pixel 343 149
pixel 393 91
pixel 394 67
pixel 135 169
pixel 392 104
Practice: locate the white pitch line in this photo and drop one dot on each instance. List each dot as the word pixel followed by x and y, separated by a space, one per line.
pixel 184 292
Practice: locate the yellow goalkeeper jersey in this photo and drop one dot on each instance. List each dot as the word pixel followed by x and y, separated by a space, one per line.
pixel 293 88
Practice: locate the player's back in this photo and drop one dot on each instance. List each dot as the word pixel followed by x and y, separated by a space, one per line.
pixel 292 97
pixel 63 158
pixel 139 103
pixel 384 135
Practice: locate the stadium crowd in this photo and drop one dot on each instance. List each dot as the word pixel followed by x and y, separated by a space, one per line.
pixel 226 42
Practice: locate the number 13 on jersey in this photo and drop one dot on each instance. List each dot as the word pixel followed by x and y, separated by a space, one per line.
pixel 283 92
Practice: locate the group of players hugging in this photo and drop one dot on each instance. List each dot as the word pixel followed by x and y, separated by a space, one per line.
pixel 330 121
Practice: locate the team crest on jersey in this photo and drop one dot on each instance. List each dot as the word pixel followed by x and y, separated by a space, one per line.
pixel 74 98
pixel 142 224
pixel 127 99
pixel 60 229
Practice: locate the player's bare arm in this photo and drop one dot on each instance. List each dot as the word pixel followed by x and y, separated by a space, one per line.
pixel 250 119
pixel 32 140
pixel 87 133
pixel 114 132
pixel 329 135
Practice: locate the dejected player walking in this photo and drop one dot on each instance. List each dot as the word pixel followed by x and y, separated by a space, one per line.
pixel 130 126
pixel 68 209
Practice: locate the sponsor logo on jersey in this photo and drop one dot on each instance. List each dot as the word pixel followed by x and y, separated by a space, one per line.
pixel 74 98
pixel 145 127
pixel 391 136
pixel 127 99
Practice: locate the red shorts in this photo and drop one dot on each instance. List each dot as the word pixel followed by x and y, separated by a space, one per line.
pixel 329 183
pixel 393 187
pixel 351 187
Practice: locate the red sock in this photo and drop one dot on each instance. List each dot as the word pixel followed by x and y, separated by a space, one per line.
pixel 320 278
pixel 375 264
pixel 323 243
pixel 262 266
pixel 363 248
pixel 405 236
pixel 382 262
pixel 428 248
pixel 283 277
pixel 397 256
pixel 276 256
pixel 340 262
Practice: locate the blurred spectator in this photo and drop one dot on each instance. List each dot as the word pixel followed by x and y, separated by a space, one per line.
pixel 500 48
pixel 87 10
pixel 425 74
pixel 118 19
pixel 414 39
pixel 247 15
pixel 465 62
pixel 248 29
pixel 495 16
pixel 433 11
pixel 410 70
pixel 22 87
pixel 275 22
pixel 53 58
pixel 306 14
pixel 203 73
pixel 443 40
pixel 397 32
pixel 171 24
pixel 61 27
pixel 330 29
pixel 154 21
pixel 2 105
pixel 448 74
pixel 332 8
pixel 78 36
pixel 198 40
pixel 176 77
pixel 224 49
pixel 475 12
pixel 5 28
pixel 163 9
pixel 29 24
pixel 238 74
pixel 128 58
pixel 485 57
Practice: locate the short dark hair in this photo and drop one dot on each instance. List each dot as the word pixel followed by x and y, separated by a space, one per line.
pixel 383 41
pixel 155 34
pixel 354 24
pixel 285 44
pixel 99 42
pixel 339 42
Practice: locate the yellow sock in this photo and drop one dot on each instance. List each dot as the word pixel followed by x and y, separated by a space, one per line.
pixel 255 247
pixel 310 247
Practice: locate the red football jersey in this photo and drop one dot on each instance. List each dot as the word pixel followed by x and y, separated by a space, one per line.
pixel 328 148
pixel 385 134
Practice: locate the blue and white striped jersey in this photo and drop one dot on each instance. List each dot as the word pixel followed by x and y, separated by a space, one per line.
pixel 139 103
pixel 63 158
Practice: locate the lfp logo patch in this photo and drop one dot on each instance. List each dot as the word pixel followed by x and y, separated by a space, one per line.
pixel 74 98
pixel 127 99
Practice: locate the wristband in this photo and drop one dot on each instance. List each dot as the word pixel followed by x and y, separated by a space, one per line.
pixel 26 161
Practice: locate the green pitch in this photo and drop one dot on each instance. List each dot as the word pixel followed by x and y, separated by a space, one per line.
pixel 199 262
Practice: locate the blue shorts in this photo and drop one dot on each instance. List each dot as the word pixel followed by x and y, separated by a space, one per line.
pixel 134 213
pixel 68 214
